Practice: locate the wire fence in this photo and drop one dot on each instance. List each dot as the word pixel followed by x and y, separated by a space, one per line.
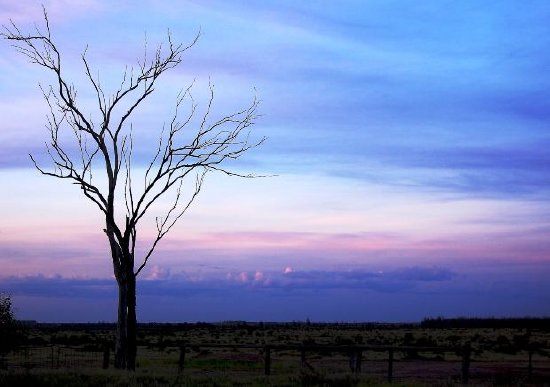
pixel 384 363
pixel 52 357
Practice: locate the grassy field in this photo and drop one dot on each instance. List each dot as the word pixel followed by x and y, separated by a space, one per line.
pixel 56 355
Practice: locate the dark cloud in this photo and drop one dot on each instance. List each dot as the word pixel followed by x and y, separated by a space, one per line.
pixel 390 281
pixel 186 285
pixel 58 286
pixel 402 294
pixel 423 274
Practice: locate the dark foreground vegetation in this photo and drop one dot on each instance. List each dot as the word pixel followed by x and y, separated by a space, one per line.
pixel 501 323
pixel 443 352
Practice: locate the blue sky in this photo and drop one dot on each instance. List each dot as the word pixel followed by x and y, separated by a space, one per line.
pixel 409 138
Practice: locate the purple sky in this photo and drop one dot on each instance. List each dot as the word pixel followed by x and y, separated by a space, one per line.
pixel 410 140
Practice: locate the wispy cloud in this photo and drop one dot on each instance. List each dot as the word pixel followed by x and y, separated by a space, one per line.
pixel 233 252
pixel 344 79
pixel 499 171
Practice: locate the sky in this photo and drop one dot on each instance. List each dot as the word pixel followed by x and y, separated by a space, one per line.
pixel 408 162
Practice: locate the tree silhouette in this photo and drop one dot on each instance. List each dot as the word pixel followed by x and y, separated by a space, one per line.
pixel 8 335
pixel 6 312
pixel 187 149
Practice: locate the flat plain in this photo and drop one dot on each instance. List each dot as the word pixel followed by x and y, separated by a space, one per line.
pixel 287 354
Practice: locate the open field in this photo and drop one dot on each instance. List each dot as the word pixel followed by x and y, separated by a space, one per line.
pixel 240 353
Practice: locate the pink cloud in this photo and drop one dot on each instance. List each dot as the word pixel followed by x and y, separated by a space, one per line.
pixel 156 273
pixel 293 240
pixel 259 276
pixel 36 253
pixel 243 277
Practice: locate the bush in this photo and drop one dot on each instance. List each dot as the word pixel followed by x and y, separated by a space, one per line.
pixel 6 325
pixel 6 312
pixel 11 334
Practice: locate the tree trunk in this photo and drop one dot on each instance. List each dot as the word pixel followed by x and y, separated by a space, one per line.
pixel 123 268
pixel 121 337
pixel 125 346
pixel 131 322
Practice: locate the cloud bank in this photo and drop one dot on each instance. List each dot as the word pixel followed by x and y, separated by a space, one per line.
pixel 402 294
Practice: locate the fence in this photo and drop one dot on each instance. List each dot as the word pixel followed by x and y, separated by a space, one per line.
pixel 391 363
pixel 54 357
pixel 412 362
pixel 353 352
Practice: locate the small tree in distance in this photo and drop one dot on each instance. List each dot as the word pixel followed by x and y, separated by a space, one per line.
pixel 7 324
pixel 189 147
pixel 6 312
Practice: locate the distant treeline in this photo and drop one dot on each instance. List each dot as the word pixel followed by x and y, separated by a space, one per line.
pixel 542 323
pixel 222 324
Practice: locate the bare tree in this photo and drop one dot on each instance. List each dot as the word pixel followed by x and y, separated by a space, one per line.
pixel 103 148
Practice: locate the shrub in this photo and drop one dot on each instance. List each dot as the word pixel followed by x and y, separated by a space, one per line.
pixel 10 334
pixel 6 312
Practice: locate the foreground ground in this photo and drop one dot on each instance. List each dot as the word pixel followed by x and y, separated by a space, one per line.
pixel 235 354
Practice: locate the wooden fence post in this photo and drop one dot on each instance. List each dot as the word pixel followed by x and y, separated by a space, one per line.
pixel 106 356
pixel 181 361
pixel 466 353
pixel 355 360
pixel 267 364
pixel 390 366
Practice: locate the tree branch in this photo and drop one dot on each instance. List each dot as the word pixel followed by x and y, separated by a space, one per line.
pixel 109 141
